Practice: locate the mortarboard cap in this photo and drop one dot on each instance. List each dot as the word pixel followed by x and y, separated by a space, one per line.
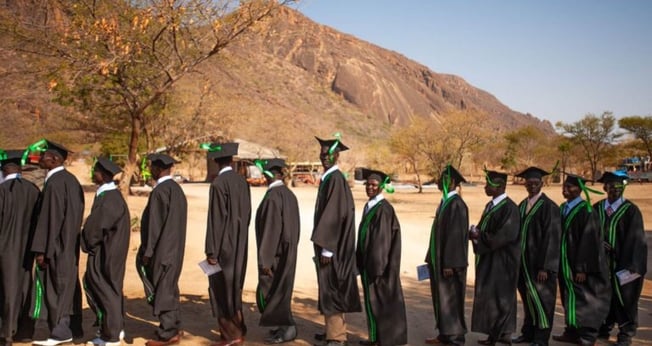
pixel 328 143
pixel 370 173
pixel 274 163
pixel 220 150
pixel 107 166
pixel 615 176
pixel 161 160
pixel 493 175
pixel 532 173
pixel 453 173
pixel 11 156
pixel 57 148
pixel 574 179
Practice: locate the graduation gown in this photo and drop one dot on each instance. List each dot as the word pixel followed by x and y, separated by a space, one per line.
pixel 277 237
pixel 18 199
pixel 57 236
pixel 379 263
pixel 625 233
pixel 540 242
pixel 585 304
pixel 498 254
pixel 163 240
pixel 334 230
pixel 448 248
pixel 105 237
pixel 227 234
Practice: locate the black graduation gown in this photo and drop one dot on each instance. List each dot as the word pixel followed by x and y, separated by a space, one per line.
pixel 379 263
pixel 448 248
pixel 277 237
pixel 334 230
pixel 540 242
pixel 498 254
pixel 585 304
pixel 625 233
pixel 18 199
pixel 229 214
pixel 163 240
pixel 105 237
pixel 57 236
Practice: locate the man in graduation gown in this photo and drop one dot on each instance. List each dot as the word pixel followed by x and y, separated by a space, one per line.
pixel 18 199
pixel 227 234
pixel 162 241
pixel 379 263
pixel 105 238
pixel 56 248
pixel 277 237
pixel 624 234
pixel 583 276
pixel 497 249
pixel 333 237
pixel 540 237
pixel 447 260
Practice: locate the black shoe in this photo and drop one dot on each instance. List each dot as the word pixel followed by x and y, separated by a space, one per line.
pixel 566 338
pixel 486 342
pixel 521 339
pixel 367 343
pixel 283 334
pixel 320 336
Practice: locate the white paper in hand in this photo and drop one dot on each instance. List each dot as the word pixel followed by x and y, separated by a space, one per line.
pixel 422 272
pixel 625 276
pixel 209 269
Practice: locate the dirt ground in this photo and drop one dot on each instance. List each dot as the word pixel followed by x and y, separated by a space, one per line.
pixel 415 212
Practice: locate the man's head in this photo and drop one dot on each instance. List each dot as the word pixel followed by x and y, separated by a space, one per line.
pixel 160 165
pixel 449 179
pixel 11 161
pixel 273 170
pixel 54 156
pixel 614 184
pixel 495 183
pixel 223 153
pixel 374 182
pixel 104 171
pixel 533 179
pixel 330 151
pixel 572 187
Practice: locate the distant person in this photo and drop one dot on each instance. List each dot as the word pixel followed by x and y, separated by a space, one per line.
pixel 379 263
pixel 277 236
pixel 540 243
pixel 18 200
pixel 583 277
pixel 447 260
pixel 56 248
pixel 227 234
pixel 333 237
pixel 162 243
pixel 624 234
pixel 105 238
pixel 497 249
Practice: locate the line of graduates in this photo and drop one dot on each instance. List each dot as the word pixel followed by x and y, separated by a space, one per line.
pixel 596 254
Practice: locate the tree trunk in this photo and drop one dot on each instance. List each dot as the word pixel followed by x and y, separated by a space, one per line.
pixel 132 157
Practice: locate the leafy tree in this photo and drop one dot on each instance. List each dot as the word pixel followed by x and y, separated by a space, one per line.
pixel 115 61
pixel 406 143
pixel 641 128
pixel 527 146
pixel 594 134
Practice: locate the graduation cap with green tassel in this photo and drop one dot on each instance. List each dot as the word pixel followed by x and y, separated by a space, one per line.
pixel 220 150
pixel 384 179
pixel 447 174
pixel 491 176
pixel 576 180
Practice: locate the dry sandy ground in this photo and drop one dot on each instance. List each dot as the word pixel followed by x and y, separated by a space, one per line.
pixel 415 212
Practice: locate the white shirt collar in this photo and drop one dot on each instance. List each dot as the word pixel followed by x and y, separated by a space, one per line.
pixel 162 179
pixel 275 184
pixel 105 187
pixel 499 199
pixel 615 205
pixel 534 198
pixel 451 194
pixel 9 177
pixel 53 171
pixel 372 202
pixel 329 171
pixel 225 169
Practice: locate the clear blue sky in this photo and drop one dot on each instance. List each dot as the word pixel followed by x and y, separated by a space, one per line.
pixel 556 59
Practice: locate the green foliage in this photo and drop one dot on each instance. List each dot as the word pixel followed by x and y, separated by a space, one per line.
pixel 641 128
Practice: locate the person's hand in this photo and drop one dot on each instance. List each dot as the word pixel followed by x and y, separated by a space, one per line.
pixel 212 261
pixel 448 272
pixel 266 272
pixel 40 260
pixel 324 260
pixel 542 276
pixel 474 233
pixel 580 278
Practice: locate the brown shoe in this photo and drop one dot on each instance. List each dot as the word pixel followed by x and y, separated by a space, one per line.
pixel 171 341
